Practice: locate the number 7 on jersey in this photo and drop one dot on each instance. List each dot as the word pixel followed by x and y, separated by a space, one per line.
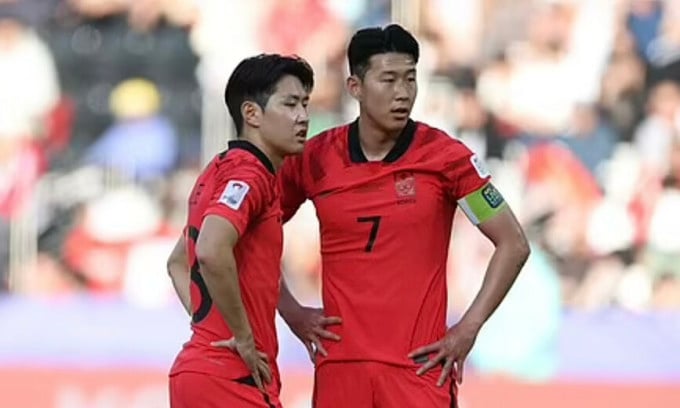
pixel 375 220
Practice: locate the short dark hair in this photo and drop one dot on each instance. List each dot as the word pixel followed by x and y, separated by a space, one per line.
pixel 255 78
pixel 368 42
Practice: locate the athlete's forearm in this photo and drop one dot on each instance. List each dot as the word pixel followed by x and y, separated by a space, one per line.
pixel 221 278
pixel 287 302
pixel 181 281
pixel 504 266
pixel 178 269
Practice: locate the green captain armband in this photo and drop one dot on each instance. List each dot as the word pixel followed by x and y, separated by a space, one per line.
pixel 483 204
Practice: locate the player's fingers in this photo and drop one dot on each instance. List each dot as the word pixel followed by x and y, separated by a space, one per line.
pixel 263 356
pixel 446 371
pixel 310 350
pixel 460 367
pixel 424 350
pixel 325 334
pixel 430 364
pixel 265 372
pixel 230 344
pixel 331 320
pixel 319 347
pixel 258 380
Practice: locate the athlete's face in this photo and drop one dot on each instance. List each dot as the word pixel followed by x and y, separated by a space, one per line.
pixel 284 121
pixel 388 90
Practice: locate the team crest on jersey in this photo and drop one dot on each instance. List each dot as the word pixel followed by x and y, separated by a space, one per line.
pixel 405 184
pixel 234 194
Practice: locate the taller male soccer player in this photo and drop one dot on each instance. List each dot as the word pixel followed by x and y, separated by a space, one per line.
pixel 385 190
pixel 225 267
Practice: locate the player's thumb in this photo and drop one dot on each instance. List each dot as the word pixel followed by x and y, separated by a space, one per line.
pixel 310 350
pixel 458 373
pixel 258 379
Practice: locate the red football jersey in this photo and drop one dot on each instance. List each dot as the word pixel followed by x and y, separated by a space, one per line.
pixel 385 230
pixel 239 185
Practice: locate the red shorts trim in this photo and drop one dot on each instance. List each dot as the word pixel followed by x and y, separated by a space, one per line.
pixel 372 384
pixel 196 390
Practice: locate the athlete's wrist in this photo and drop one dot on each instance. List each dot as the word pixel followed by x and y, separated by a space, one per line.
pixel 245 338
pixel 288 307
pixel 471 322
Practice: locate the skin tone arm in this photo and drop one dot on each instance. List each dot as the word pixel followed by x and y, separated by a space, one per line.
pixel 287 302
pixel 510 254
pixel 178 269
pixel 215 253
pixel 512 251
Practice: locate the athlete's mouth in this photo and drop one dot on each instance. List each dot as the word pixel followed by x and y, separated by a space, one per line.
pixel 302 133
pixel 400 111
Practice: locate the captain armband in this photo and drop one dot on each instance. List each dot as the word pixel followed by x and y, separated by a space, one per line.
pixel 483 204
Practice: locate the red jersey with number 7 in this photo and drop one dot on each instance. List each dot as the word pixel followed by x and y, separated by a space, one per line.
pixel 385 230
pixel 240 186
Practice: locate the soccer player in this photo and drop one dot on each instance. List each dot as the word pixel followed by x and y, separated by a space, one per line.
pixel 226 266
pixel 385 190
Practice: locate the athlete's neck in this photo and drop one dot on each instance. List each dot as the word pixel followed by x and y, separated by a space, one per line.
pixel 376 143
pixel 268 151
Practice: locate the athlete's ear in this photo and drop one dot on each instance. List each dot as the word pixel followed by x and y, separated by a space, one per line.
pixel 252 114
pixel 354 87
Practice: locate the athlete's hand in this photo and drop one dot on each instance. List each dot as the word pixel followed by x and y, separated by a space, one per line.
pixel 257 361
pixel 451 351
pixel 309 325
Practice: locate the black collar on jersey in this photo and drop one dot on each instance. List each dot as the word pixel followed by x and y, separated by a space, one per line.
pixel 255 151
pixel 356 154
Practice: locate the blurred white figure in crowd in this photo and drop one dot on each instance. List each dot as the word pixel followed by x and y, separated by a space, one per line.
pixel 222 35
pixel 29 86
pixel 654 136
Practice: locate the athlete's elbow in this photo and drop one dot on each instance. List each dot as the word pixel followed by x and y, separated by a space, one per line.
pixel 171 266
pixel 515 246
pixel 207 263
pixel 211 260
pixel 174 264
pixel 521 250
pixel 206 256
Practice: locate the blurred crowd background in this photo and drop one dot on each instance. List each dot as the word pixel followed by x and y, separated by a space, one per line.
pixel 109 109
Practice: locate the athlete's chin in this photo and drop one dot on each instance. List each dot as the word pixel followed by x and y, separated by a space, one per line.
pixel 297 146
pixel 395 123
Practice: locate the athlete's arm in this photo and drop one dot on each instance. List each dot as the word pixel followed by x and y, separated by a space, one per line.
pixel 510 253
pixel 287 302
pixel 215 254
pixel 486 208
pixel 178 269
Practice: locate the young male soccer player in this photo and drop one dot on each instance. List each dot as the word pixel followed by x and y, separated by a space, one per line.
pixel 385 190
pixel 233 243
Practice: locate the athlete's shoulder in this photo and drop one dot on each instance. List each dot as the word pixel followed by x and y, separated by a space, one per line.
pixel 326 139
pixel 239 161
pixel 436 141
pixel 321 152
pixel 238 165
